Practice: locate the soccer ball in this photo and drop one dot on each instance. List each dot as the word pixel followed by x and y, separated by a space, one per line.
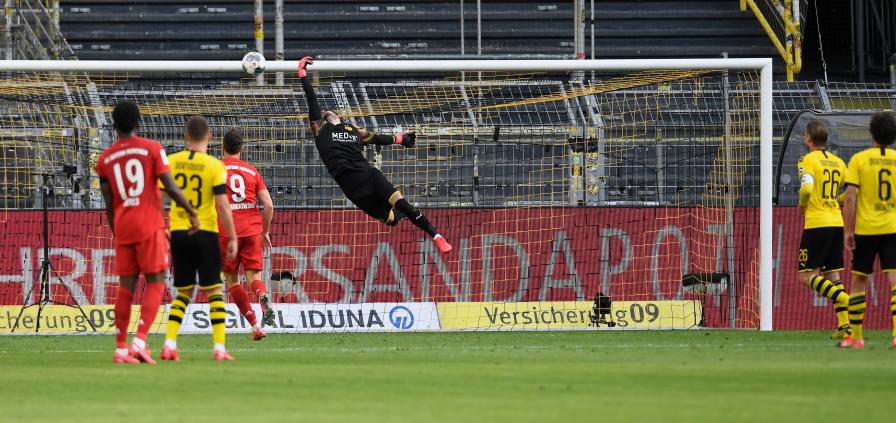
pixel 253 63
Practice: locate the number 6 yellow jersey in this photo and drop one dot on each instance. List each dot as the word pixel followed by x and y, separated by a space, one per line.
pixel 873 171
pixel 200 177
pixel 821 176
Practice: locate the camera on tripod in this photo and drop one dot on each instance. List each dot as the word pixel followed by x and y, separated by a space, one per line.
pixel 601 311
pixel 44 294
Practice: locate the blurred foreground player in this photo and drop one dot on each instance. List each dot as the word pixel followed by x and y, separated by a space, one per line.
pixel 129 171
pixel 245 187
pixel 821 246
pixel 869 214
pixel 203 178
pixel 341 149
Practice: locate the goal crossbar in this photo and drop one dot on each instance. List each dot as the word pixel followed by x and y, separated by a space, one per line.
pixel 763 65
pixel 206 66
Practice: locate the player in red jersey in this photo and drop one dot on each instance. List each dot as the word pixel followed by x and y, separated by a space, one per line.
pixel 129 171
pixel 245 188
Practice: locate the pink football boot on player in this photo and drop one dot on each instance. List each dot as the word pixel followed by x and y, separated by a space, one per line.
pixel 441 243
pixel 258 334
pixel 124 359
pixel 169 353
pixel 855 344
pixel 221 355
pixel 142 354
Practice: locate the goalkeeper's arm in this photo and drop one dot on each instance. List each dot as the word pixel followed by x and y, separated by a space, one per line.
pixel 314 114
pixel 405 139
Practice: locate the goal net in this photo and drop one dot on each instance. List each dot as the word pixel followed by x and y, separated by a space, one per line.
pixel 577 195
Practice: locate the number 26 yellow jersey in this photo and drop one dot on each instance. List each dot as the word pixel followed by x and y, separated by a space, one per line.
pixel 821 176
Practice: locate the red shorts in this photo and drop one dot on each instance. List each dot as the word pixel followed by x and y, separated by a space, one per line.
pixel 248 254
pixel 147 256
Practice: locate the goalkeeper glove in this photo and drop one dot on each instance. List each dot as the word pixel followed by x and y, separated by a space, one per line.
pixel 303 64
pixel 406 139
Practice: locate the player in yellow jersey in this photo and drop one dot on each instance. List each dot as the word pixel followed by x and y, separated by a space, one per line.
pixel 203 179
pixel 821 246
pixel 869 212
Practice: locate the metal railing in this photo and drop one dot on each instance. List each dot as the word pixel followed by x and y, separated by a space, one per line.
pixel 783 22
pixel 874 36
pixel 31 31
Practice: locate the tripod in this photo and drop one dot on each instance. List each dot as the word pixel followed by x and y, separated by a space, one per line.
pixel 46 268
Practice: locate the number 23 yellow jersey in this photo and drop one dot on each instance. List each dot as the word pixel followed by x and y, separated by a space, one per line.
pixel 200 177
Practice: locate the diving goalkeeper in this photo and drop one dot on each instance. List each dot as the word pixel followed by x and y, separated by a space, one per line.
pixel 341 149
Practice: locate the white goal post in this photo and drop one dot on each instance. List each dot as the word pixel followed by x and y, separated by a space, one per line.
pixel 761 65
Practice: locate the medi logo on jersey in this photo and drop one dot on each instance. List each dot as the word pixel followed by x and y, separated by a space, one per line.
pixel 344 137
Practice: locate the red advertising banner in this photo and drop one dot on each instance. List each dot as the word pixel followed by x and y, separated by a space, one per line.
pixel 520 254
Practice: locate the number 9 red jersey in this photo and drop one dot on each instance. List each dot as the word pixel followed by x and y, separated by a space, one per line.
pixel 243 184
pixel 131 167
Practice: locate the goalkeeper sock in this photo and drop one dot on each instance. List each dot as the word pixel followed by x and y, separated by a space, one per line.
pixel 893 309
pixel 416 216
pixel 258 288
pixel 217 315
pixel 176 315
pixel 122 316
pixel 241 299
pixel 857 313
pixel 152 299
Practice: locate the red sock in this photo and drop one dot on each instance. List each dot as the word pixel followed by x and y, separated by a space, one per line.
pixel 258 287
pixel 239 297
pixel 122 316
pixel 152 299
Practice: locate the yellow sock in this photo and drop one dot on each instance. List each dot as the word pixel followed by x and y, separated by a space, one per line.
pixel 893 309
pixel 217 315
pixel 833 290
pixel 841 303
pixel 176 313
pixel 857 313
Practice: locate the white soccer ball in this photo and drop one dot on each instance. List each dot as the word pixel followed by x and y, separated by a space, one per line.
pixel 253 63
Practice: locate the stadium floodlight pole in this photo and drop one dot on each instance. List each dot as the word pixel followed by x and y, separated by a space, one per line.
pixel 592 29
pixel 7 30
pixel 278 36
pixel 259 35
pixel 479 30
pixel 462 27
pixel 763 65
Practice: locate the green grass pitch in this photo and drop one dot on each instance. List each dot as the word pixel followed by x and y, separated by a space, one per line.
pixel 457 377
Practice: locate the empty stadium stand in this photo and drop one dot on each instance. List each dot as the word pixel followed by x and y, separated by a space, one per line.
pixel 223 29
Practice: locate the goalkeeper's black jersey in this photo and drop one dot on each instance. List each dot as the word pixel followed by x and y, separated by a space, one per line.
pixel 340 148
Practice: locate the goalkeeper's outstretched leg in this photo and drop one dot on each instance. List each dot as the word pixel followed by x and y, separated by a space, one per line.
pixel 402 208
pixel 371 192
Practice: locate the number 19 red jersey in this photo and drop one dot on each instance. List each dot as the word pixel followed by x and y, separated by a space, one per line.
pixel 131 167
pixel 244 182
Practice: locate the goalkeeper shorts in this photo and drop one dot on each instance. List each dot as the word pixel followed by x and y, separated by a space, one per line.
pixel 369 190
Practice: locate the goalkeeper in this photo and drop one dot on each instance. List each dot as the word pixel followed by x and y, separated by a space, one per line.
pixel 341 149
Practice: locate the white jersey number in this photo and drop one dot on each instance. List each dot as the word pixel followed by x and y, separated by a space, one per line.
pixel 133 175
pixel 238 186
